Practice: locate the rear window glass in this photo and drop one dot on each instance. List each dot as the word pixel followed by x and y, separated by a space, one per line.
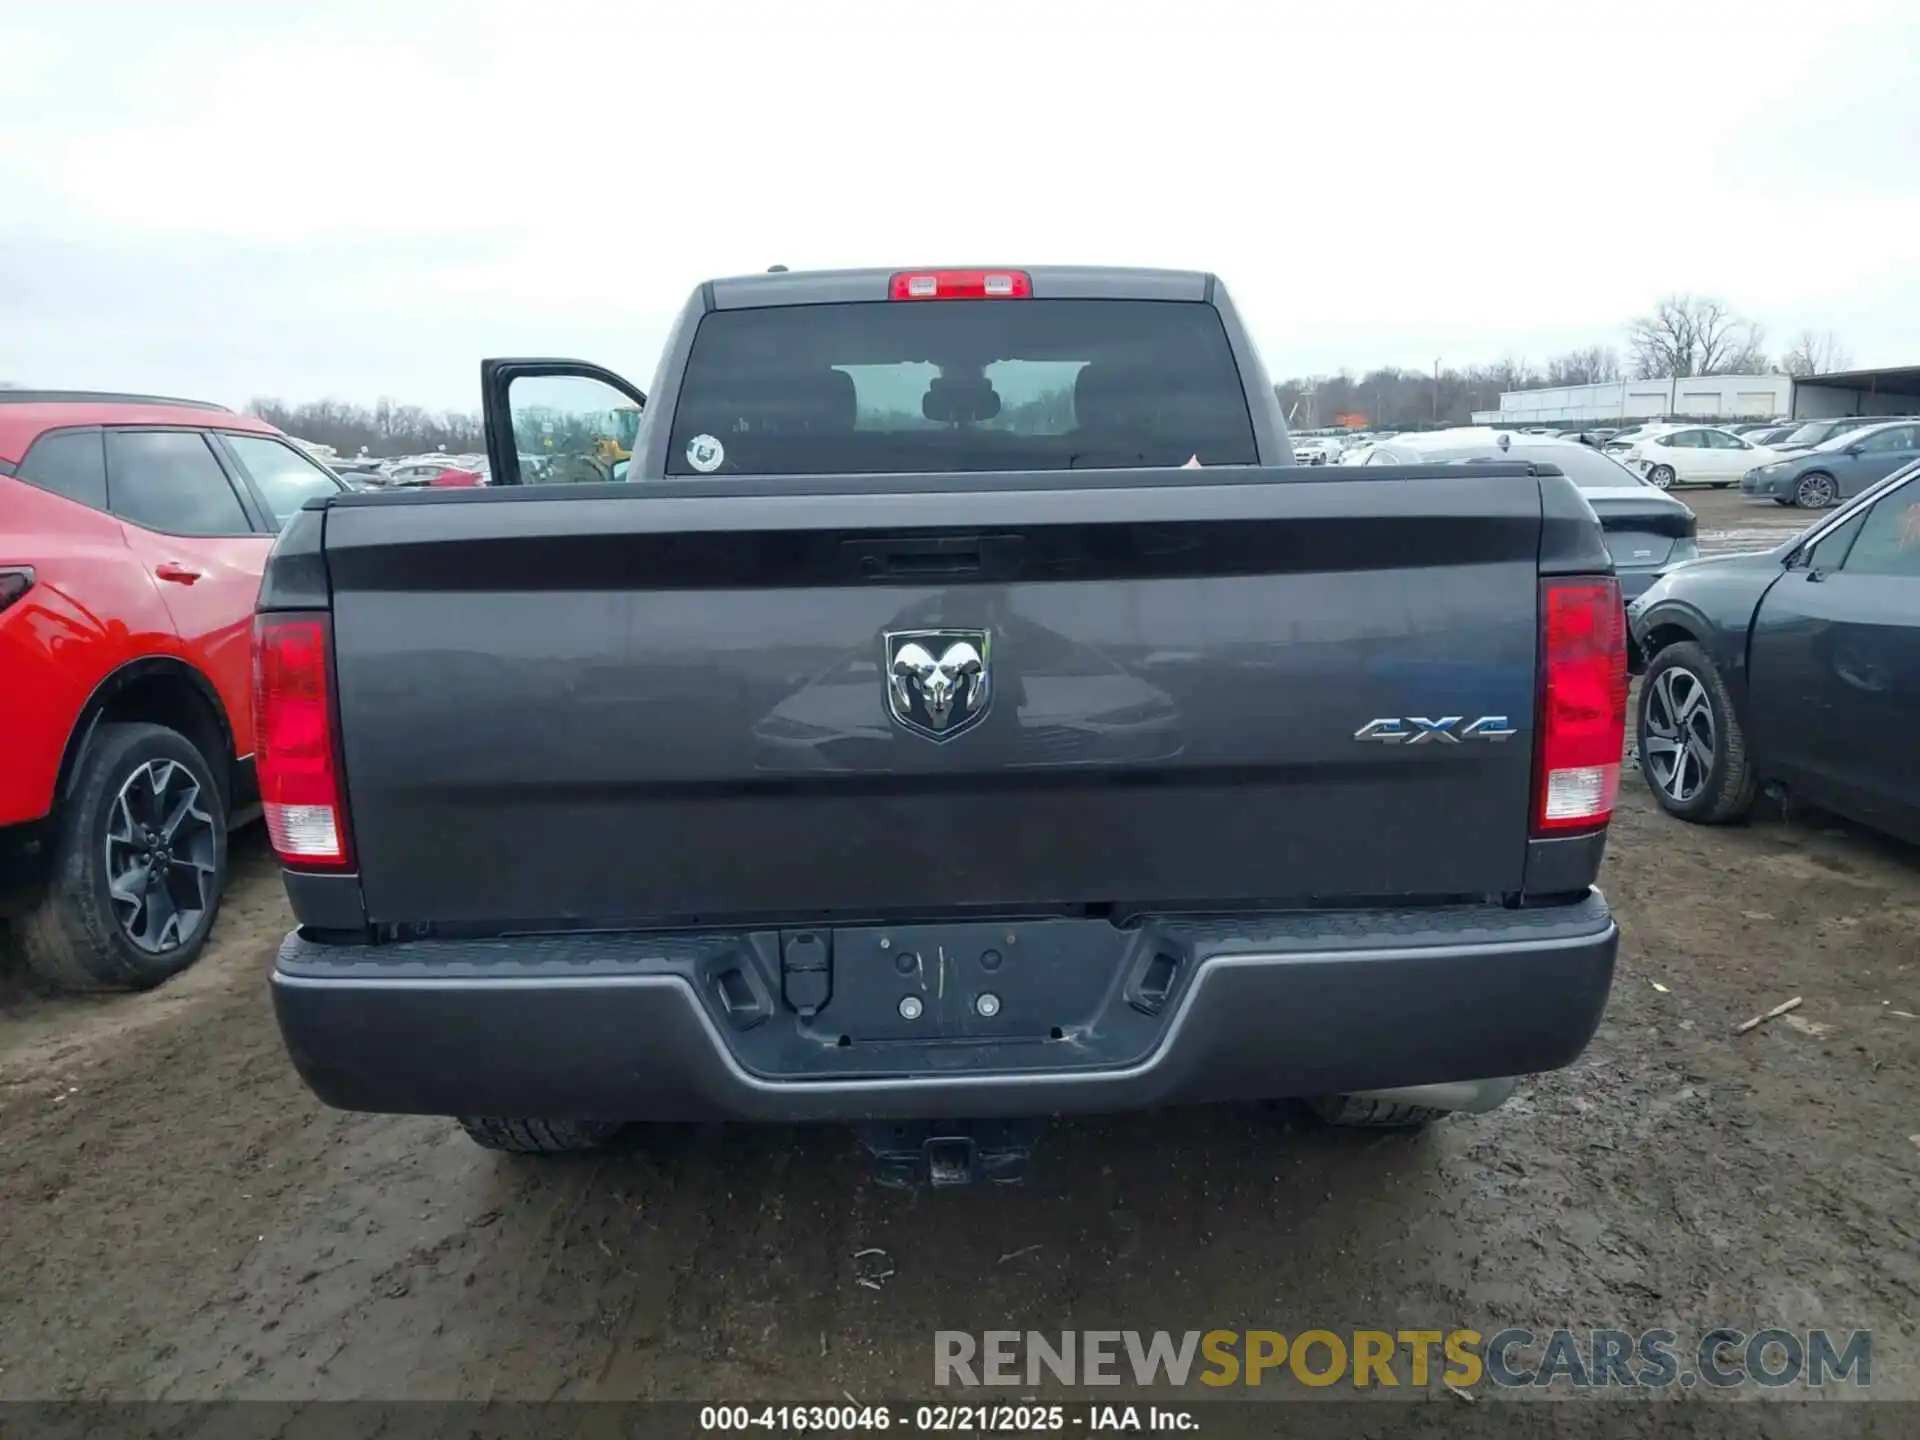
pixel 1582 464
pixel 286 478
pixel 72 463
pixel 168 480
pixel 944 385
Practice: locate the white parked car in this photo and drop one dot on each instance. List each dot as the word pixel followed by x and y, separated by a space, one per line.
pixel 1690 455
pixel 1618 442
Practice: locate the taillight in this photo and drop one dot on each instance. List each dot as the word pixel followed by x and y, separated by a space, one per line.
pixel 1583 704
pixel 15 581
pixel 293 745
pixel 962 285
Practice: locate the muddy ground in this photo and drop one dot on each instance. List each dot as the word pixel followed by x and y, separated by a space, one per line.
pixel 179 1219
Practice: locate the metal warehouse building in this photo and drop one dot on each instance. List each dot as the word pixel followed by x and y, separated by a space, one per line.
pixel 1729 397
pixel 1893 391
pixel 1856 392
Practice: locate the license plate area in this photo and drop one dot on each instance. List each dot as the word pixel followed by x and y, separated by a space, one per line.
pixel 1636 548
pixel 970 982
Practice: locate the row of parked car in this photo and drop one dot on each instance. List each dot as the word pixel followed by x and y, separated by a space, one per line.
pixel 134 531
pixel 405 472
pixel 1814 465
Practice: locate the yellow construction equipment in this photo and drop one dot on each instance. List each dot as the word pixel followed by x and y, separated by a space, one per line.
pixel 611 447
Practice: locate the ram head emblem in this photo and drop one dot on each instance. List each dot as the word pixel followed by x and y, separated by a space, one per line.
pixel 938 683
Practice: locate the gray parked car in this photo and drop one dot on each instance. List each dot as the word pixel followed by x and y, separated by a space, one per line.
pixel 1836 469
pixel 1809 433
pixel 1646 529
pixel 1791 668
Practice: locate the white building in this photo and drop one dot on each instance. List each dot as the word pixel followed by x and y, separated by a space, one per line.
pixel 1697 397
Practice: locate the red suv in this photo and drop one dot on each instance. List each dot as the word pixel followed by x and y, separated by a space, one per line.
pixel 133 532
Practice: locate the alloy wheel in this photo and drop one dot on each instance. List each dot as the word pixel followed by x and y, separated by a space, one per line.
pixel 1678 749
pixel 1815 492
pixel 1661 477
pixel 161 844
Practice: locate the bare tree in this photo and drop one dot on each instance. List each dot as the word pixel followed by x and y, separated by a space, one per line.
pixel 1815 353
pixel 1744 354
pixel 1592 365
pixel 1513 373
pixel 386 429
pixel 1694 335
pixel 1396 398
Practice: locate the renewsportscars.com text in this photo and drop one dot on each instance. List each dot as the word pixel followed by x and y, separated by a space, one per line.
pixel 1386 1359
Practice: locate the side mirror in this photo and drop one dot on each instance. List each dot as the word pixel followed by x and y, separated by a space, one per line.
pixel 1805 559
pixel 1855 448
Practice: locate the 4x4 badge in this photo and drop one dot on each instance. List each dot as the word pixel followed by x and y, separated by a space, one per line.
pixel 1448 729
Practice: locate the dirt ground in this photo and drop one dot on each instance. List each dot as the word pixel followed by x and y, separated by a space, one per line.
pixel 180 1220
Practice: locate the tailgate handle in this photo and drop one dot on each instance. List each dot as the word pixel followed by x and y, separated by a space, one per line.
pixel 940 558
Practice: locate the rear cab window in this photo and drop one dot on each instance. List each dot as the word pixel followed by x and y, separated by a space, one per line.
pixel 888 387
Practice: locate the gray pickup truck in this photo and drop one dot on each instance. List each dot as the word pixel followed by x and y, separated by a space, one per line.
pixel 958 711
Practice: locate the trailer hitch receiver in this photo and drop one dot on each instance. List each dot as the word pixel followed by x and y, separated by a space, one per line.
pixel 947 1154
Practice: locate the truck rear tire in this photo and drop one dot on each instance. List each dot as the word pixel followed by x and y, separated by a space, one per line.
pixel 1358 1112
pixel 537 1137
pixel 139 865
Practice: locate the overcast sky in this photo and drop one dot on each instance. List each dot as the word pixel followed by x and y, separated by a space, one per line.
pixel 206 197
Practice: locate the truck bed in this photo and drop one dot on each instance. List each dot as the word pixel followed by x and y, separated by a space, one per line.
pixel 599 707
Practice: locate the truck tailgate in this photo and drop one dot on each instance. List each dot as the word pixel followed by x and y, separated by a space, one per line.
pixel 673 707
